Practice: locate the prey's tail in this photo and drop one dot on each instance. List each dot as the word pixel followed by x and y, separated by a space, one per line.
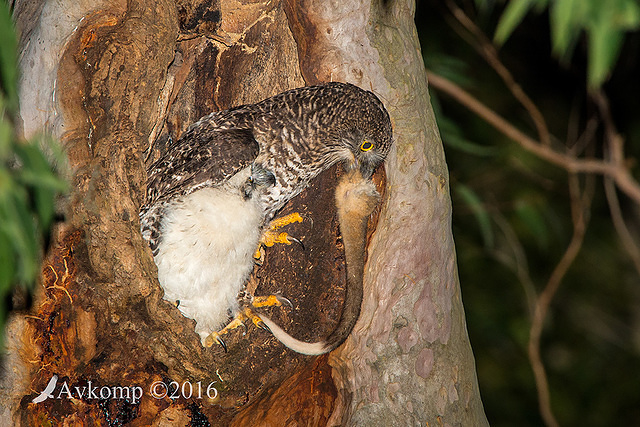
pixel 356 197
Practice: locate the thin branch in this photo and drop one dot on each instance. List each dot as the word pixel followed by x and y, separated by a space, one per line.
pixel 619 224
pixel 579 206
pixel 616 169
pixel 615 145
pixel 587 136
pixel 517 262
pixel 613 138
pixel 488 51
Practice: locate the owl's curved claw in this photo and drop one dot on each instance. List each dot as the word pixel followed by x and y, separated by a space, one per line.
pixel 297 241
pixel 276 300
pixel 260 324
pixel 237 321
pixel 220 341
pixel 283 301
pixel 215 337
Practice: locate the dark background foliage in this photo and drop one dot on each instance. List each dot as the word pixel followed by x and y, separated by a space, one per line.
pixel 512 221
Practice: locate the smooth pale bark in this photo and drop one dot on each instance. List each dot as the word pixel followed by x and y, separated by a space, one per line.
pixel 111 78
pixel 408 361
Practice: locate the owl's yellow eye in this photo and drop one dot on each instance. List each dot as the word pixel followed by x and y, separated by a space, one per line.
pixel 366 145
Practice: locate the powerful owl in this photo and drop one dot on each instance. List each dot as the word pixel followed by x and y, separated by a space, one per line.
pixel 213 193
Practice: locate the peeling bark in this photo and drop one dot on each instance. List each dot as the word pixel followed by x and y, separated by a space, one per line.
pixel 113 80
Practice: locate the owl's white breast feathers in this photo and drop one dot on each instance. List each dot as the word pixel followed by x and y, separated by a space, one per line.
pixel 206 254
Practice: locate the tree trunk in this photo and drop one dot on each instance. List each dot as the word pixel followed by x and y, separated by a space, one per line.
pixel 113 80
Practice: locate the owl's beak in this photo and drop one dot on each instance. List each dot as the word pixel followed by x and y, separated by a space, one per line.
pixel 365 164
pixel 366 168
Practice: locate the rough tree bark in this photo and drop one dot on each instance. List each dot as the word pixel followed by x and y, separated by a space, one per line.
pixel 111 78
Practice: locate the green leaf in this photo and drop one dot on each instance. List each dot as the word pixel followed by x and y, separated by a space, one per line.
pixel 473 201
pixel 7 264
pixel 533 220
pixel 605 23
pixel 604 47
pixel 481 4
pixel 45 206
pixel 605 31
pixel 512 16
pixel 17 224
pixel 6 140
pixel 567 18
pixel 452 137
pixel 629 17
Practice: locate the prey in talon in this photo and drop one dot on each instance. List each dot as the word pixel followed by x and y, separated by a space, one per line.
pixel 247 314
pixel 214 192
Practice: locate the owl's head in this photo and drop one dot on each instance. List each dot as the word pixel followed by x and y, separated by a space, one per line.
pixel 366 131
pixel 369 151
pixel 337 122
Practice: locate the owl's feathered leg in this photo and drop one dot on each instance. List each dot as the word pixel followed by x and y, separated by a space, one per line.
pixel 271 235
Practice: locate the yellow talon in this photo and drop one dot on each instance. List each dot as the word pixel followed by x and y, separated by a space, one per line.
pixel 254 318
pixel 269 301
pixel 259 255
pixel 217 336
pixel 270 236
pixel 285 220
pixel 247 313
pixel 212 338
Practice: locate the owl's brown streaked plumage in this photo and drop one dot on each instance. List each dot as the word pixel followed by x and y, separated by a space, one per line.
pixel 213 190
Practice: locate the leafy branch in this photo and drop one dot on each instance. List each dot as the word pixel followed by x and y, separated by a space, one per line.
pixel 29 183
pixel 604 40
pixel 603 22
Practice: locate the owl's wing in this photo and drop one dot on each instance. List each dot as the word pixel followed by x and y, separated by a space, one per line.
pixel 202 157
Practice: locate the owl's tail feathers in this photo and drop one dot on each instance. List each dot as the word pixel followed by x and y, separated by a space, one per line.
pixel 356 197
